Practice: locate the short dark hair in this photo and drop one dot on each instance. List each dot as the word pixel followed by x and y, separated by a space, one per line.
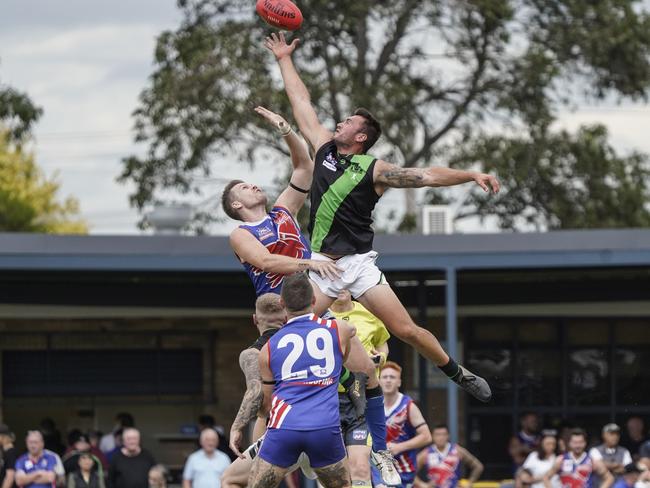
pixel 297 292
pixel 578 432
pixel 226 200
pixel 372 128
pixel 441 426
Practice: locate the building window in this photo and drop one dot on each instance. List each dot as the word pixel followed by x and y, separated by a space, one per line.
pixel 61 373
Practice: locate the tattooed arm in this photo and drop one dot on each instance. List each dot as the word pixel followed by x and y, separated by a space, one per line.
pixel 389 175
pixel 252 401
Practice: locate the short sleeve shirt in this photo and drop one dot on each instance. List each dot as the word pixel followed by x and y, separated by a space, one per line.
pixel 205 471
pixel 8 461
pixel 370 330
pixel 27 464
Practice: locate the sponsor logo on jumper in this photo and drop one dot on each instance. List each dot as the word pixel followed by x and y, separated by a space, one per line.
pixel 322 382
pixel 264 232
pixel 330 162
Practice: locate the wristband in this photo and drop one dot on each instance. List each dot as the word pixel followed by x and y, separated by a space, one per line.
pixel 284 133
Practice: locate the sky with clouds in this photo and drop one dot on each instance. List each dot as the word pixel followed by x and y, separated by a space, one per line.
pixel 85 62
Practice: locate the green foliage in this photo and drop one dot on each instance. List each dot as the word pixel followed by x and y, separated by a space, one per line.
pixel 437 73
pixel 28 200
pixel 17 113
pixel 562 180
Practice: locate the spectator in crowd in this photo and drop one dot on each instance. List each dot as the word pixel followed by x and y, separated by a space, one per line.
pixel 208 422
pixel 204 467
pixel 93 438
pixel 8 459
pixel 630 477
pixel 130 466
pixel 117 435
pixel 634 435
pixel 539 462
pixel 51 436
pixel 576 467
pixel 158 475
pixel 614 456
pixel 86 475
pixel 79 444
pixel 36 469
pixel 526 440
pixel 122 420
pixel 440 464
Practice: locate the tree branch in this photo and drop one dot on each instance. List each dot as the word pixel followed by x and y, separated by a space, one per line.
pixel 389 48
pixel 331 79
pixel 460 109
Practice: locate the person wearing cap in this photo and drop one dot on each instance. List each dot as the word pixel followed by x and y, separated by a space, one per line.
pixel 614 456
pixel 631 474
pixel 9 457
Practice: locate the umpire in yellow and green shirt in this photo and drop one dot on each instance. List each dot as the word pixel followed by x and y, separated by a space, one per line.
pixel 374 336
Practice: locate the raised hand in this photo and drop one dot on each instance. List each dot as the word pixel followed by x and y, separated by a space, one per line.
pixel 276 120
pixel 277 44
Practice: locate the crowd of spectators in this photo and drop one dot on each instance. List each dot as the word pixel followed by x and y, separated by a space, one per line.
pixel 114 460
pixel 621 459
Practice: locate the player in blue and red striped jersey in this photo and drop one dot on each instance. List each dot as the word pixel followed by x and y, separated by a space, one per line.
pixel 440 464
pixel 576 466
pixel 271 245
pixel 300 367
pixel 406 429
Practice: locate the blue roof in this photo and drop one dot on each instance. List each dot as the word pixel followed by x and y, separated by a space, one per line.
pixel 558 249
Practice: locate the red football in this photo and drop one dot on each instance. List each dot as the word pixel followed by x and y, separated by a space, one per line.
pixel 282 14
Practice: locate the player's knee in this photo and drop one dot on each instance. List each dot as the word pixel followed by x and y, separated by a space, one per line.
pixel 407 331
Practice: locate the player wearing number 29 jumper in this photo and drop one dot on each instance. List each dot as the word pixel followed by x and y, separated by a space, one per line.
pixel 347 184
pixel 300 366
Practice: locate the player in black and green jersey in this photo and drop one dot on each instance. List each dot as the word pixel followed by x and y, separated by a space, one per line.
pixel 347 183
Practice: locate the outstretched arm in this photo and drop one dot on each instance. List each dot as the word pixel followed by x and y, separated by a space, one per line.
pixel 293 197
pixel 303 111
pixel 390 175
pixel 252 401
pixel 250 250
